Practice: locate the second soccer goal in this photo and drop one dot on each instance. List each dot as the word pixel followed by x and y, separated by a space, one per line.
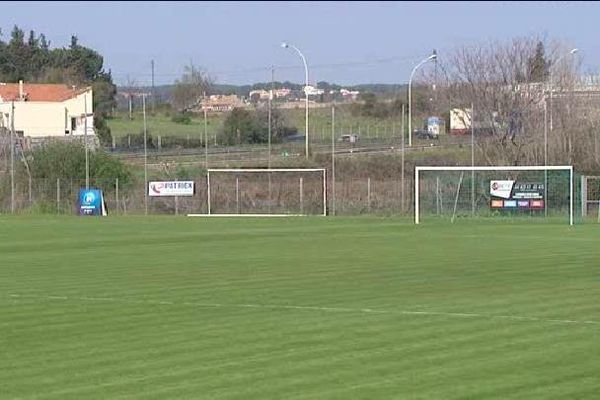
pixel 540 192
pixel 267 192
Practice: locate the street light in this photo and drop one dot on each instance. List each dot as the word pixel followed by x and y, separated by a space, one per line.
pixel 285 46
pixel 572 51
pixel 433 56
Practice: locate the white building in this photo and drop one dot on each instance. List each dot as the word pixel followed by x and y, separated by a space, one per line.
pixel 349 94
pixel 47 110
pixel 313 91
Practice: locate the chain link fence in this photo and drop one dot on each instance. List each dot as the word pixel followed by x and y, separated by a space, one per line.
pixel 353 196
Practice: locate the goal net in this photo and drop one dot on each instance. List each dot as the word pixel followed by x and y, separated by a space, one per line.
pixel 590 197
pixel 449 193
pixel 267 192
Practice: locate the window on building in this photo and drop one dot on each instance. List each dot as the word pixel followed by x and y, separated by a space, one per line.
pixel 73 124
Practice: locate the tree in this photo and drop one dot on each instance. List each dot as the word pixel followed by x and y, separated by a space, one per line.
pixel 190 88
pixel 242 126
pixel 539 67
pixel 504 82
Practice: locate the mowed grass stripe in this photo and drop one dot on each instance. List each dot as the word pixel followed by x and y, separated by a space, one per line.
pixel 133 347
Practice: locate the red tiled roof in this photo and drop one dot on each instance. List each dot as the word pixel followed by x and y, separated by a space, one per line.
pixel 39 92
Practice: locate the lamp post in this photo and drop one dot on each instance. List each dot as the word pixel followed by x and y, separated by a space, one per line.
pixel 285 46
pixel 572 51
pixel 145 155
pixel 433 56
pixel 12 157
pixel 85 138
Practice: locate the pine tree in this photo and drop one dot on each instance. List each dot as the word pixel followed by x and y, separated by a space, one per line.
pixel 538 65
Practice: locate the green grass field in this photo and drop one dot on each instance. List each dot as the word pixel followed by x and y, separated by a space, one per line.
pixel 362 308
pixel 320 121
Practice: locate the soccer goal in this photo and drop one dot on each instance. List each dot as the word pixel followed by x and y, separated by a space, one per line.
pixel 590 197
pixel 266 192
pixel 448 193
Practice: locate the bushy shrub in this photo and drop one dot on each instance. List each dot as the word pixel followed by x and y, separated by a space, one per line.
pixel 66 160
pixel 183 119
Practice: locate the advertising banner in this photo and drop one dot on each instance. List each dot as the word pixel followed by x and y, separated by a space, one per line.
pixel 91 202
pixel 171 188
pixel 513 195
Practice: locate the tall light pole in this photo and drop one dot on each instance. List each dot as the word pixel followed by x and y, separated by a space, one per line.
pixel 433 56
pixel 85 138
pixel 145 155
pixel 12 158
pixel 270 118
pixel 571 52
pixel 285 46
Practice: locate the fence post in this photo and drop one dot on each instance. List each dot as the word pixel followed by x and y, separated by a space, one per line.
pixel 114 143
pixel 176 205
pixel 369 193
pixel 117 194
pixel 30 191
pixel 128 141
pixel 159 142
pixel 58 195
pixel 301 195
pixel 237 194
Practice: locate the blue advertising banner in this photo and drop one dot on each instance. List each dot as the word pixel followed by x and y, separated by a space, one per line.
pixel 91 202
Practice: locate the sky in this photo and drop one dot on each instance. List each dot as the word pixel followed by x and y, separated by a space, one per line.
pixel 343 42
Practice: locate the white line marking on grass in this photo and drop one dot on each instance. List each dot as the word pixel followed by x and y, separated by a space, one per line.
pixel 315 308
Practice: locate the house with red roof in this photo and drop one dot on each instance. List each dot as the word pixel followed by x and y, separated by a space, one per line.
pixel 46 110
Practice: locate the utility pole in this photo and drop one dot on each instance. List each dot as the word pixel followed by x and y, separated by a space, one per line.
pixel 205 133
pixel 472 159
pixel 12 158
pixel 153 92
pixel 145 155
pixel 333 160
pixel 85 138
pixel 270 115
pixel 129 83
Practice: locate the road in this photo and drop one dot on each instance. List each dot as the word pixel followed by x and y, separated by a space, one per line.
pixel 259 154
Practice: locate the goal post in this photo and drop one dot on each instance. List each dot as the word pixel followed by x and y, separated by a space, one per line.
pixel 493 191
pixel 590 197
pixel 261 192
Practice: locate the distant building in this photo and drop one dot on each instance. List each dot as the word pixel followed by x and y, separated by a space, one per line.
pixel 47 110
pixel 313 91
pixel 222 103
pixel 349 94
pixel 260 94
pixel 282 93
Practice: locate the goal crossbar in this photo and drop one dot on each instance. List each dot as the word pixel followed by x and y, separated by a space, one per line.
pixel 241 170
pixel 322 171
pixel 569 168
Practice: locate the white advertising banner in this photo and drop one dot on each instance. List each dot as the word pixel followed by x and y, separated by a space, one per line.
pixel 501 189
pixel 171 188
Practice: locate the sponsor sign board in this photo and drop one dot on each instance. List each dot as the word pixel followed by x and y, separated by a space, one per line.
pixel 170 188
pixel 91 202
pixel 510 195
